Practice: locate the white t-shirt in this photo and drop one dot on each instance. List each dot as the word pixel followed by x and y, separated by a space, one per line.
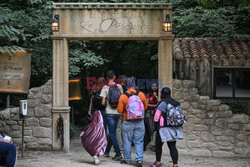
pixel 104 93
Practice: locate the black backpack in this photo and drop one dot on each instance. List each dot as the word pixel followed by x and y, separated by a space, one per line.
pixel 114 95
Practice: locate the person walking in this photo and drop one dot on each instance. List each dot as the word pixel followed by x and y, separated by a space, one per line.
pixel 152 100
pixel 167 126
pixel 132 105
pixel 7 152
pixel 110 96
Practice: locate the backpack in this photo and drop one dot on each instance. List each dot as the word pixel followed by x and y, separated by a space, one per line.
pixel 173 116
pixel 134 107
pixel 114 95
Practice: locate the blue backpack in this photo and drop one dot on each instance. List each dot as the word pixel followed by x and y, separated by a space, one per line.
pixel 114 95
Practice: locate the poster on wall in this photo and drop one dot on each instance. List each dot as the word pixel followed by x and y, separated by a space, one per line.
pixel 15 72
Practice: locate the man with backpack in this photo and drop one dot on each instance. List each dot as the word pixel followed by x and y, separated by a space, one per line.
pixel 132 104
pixel 110 97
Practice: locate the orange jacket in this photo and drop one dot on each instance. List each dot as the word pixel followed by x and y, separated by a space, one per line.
pixel 124 99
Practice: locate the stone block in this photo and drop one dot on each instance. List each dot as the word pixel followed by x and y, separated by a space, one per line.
pixel 221 123
pixel 199 113
pixel 29 139
pixel 2 124
pixel 194 144
pixel 194 120
pixel 30 112
pixel 246 127
pixel 239 118
pixel 234 126
pixel 193 91
pixel 183 151
pixel 48 90
pixel 32 103
pixel 214 102
pixel 42 132
pixel 223 114
pixel 192 137
pixel 223 143
pixel 188 84
pixel 224 107
pixel 241 137
pixel 207 137
pixel 210 146
pixel 226 148
pixel 11 123
pixel 200 152
pixel 15 134
pixel 185 106
pixel 230 133
pixel 242 144
pixel 177 83
pixel 192 98
pixel 210 114
pixel 47 122
pixel 27 132
pixel 16 127
pixel 202 107
pixel 31 122
pixel 179 95
pixel 204 99
pixel 5 114
pixel 208 121
pixel 195 105
pixel 46 98
pixel 221 138
pixel 14 117
pixel 14 111
pixel 239 150
pixel 223 154
pixel 43 111
pixel 44 141
pixel 217 132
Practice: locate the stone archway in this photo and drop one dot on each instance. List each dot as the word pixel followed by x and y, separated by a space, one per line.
pixel 104 21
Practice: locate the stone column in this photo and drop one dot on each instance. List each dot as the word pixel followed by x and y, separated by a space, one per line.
pixel 165 71
pixel 60 92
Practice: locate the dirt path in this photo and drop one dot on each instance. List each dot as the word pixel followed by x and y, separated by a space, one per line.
pixel 78 157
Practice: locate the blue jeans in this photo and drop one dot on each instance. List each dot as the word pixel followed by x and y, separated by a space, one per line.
pixel 104 115
pixel 8 154
pixel 133 131
pixel 112 120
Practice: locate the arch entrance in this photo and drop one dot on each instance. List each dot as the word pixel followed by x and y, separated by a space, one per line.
pixel 104 21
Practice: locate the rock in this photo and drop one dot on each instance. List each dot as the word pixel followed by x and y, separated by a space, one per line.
pixel 192 137
pixel 210 146
pixel 5 114
pixel 217 132
pixel 188 84
pixel 29 139
pixel 179 95
pixel 33 103
pixel 27 132
pixel 241 137
pixel 42 132
pixel 177 83
pixel 221 123
pixel 199 113
pixel 239 118
pixel 43 111
pixel 207 137
pixel 194 120
pixel 230 133
pixel 223 143
pixel 14 111
pixel 195 105
pixel 204 99
pixel 242 144
pixel 221 138
pixel 226 148
pixel 10 123
pixel 234 126
pixel 223 114
pixel 210 114
pixel 214 102
pixel 208 121
pixel 47 90
pixel 15 134
pixel 44 141
pixel 16 127
pixel 199 128
pixel 45 122
pixel 46 99
pixel 192 98
pixel 31 122
pixel 30 112
pixel 239 150
pixel 224 107
pixel 246 127
pixel 223 154
pixel 185 106
pixel 2 124
pixel 193 91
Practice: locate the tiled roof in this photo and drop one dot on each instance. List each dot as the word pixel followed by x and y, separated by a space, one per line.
pixel 211 48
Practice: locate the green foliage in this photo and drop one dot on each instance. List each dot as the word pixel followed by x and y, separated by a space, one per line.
pixel 235 105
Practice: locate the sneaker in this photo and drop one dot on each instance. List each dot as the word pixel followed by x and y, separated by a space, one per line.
pixel 155 165
pixel 117 157
pixel 139 163
pixel 96 160
pixel 106 155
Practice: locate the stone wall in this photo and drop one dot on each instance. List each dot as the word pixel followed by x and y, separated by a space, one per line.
pixel 211 129
pixel 38 122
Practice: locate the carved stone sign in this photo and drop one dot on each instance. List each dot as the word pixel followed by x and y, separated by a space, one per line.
pixel 111 21
pixel 15 72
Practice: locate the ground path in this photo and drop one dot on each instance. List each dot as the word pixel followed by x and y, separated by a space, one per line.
pixel 78 157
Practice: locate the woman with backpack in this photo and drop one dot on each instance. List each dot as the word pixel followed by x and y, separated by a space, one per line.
pixel 167 126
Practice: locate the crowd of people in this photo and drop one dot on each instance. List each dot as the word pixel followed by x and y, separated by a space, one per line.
pixel 123 110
